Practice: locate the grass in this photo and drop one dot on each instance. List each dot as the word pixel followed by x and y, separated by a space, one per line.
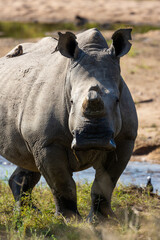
pixel 144 66
pixel 154 125
pixel 33 30
pixel 133 52
pixel 135 28
pixel 138 217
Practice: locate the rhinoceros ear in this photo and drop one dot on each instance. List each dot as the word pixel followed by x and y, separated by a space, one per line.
pixel 67 45
pixel 121 42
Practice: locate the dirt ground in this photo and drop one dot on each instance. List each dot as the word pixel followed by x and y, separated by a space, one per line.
pixel 103 11
pixel 140 68
pixel 141 71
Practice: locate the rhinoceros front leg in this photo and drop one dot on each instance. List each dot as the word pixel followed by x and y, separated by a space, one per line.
pixel 22 182
pixel 53 164
pixel 107 175
pixel 101 193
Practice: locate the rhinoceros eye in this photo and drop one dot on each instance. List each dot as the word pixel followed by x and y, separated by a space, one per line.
pixel 117 100
pixel 71 101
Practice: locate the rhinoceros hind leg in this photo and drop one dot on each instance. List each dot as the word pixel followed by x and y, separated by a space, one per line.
pixel 22 182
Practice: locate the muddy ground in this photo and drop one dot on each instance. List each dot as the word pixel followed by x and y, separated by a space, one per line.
pixel 140 68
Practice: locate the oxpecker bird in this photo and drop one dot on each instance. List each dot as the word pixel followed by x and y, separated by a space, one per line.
pixel 17 52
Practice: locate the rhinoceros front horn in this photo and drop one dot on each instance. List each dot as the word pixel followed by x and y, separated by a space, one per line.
pixel 67 45
pixel 93 105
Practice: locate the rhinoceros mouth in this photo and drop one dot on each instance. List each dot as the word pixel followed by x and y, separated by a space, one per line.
pixel 93 140
pixel 96 144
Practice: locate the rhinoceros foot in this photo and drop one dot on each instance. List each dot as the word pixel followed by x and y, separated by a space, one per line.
pixel 101 216
pixel 69 216
pixel 66 208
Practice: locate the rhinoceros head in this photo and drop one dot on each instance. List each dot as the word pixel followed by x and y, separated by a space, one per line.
pixel 94 87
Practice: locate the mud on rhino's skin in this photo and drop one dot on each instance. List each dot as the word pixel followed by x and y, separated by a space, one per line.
pixel 66 111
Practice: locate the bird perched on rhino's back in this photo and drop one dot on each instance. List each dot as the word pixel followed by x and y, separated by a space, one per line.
pixel 17 52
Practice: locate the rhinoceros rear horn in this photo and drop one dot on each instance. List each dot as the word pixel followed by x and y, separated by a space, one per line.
pixel 121 42
pixel 67 45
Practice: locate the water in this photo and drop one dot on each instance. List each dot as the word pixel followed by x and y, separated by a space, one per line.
pixel 135 173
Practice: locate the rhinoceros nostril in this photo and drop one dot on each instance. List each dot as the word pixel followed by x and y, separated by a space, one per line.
pixel 73 133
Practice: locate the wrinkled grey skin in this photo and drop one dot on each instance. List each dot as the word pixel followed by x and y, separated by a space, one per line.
pixel 67 111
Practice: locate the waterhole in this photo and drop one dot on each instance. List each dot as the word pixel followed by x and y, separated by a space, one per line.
pixel 135 173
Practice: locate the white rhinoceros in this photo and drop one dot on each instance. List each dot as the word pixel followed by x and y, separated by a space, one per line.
pixel 64 111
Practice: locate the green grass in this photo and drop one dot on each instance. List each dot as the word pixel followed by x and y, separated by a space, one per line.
pixel 32 30
pixel 135 28
pixel 133 52
pixel 144 66
pixel 135 212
